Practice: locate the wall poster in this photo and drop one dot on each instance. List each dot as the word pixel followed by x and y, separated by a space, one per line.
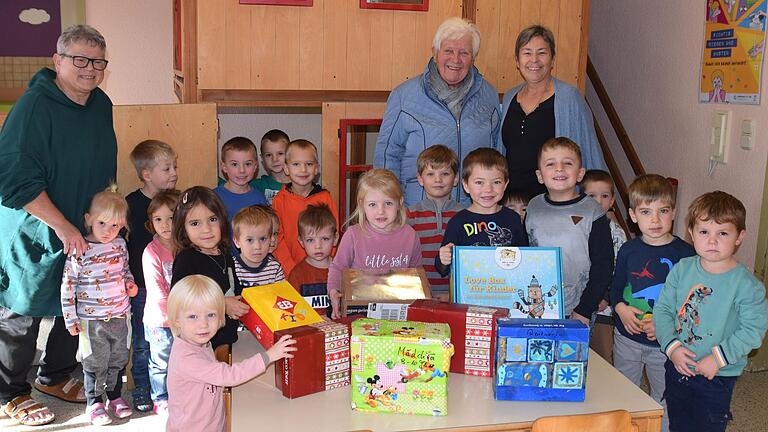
pixel 732 58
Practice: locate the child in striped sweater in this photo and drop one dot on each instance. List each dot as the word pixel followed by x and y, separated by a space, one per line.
pixel 438 167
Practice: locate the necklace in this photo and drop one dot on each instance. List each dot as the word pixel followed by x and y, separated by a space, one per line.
pixel 545 95
pixel 222 268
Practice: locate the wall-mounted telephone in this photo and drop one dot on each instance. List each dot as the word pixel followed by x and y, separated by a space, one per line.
pixel 719 140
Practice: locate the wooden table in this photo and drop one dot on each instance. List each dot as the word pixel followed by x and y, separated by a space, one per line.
pixel 258 405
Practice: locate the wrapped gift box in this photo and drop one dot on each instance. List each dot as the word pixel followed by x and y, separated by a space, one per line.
pixel 473 332
pixel 400 366
pixel 541 360
pixel 320 363
pixel 275 307
pixel 527 280
pixel 396 286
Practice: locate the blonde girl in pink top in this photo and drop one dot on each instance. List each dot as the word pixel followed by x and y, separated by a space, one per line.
pixel 195 377
pixel 157 263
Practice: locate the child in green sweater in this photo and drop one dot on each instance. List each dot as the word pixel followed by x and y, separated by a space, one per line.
pixel 711 313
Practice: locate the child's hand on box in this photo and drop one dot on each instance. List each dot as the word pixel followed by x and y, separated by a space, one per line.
pixel 281 349
pixel 682 358
pixel 628 315
pixel 234 307
pixel 649 327
pixel 576 316
pixel 708 367
pixel 335 296
pixel 446 254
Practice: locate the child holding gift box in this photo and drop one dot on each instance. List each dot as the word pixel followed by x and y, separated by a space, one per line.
pixel 438 174
pixel 381 240
pixel 318 237
pixel 576 224
pixel 253 234
pixel 195 377
pixel 642 266
pixel 485 222
pixel 201 241
pixel 95 291
pixel 711 313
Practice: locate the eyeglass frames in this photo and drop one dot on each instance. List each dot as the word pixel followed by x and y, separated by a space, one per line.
pixel 82 62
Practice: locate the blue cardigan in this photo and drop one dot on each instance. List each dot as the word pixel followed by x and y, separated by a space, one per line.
pixel 573 119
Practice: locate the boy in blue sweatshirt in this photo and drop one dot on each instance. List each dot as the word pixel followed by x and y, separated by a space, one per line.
pixel 711 313
pixel 642 265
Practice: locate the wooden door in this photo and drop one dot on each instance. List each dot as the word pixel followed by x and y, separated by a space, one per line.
pixel 191 129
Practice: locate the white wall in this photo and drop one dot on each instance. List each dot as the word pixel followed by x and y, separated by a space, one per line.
pixel 648 54
pixel 139 36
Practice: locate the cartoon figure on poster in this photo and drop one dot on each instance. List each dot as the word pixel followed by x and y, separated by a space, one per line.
pixel 535 300
pixel 717 94
pixel 757 20
pixel 714 10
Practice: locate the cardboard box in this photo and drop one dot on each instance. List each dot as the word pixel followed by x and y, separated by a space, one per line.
pixel 473 332
pixel 320 363
pixel 541 360
pixel 400 366
pixel 527 280
pixel 396 286
pixel 275 307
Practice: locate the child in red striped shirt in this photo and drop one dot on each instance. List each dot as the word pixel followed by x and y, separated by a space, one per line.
pixel 438 168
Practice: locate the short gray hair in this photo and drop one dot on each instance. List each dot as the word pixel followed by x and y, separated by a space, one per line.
pixel 80 33
pixel 456 28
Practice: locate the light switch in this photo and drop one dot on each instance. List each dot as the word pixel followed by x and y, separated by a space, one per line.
pixel 747 140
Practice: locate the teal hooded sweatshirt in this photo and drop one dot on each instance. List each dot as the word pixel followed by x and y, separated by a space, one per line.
pixel 48 143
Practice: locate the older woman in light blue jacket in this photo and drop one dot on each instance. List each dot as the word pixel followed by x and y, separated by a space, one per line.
pixel 449 103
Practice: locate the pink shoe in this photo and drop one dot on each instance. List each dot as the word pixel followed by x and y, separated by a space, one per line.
pixel 119 408
pixel 160 408
pixel 99 416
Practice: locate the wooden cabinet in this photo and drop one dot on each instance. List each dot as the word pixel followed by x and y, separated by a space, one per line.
pixel 191 129
pixel 334 51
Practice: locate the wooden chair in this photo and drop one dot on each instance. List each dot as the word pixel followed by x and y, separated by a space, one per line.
pixel 224 355
pixel 613 421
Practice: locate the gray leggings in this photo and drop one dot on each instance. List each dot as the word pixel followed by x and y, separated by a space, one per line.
pixel 103 368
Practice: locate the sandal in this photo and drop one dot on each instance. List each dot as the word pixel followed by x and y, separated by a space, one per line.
pixel 68 391
pixel 142 402
pixel 27 411
pixel 99 416
pixel 119 408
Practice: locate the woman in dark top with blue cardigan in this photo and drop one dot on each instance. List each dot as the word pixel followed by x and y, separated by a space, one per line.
pixel 542 107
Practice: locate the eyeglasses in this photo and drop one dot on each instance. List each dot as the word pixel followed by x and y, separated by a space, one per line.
pixel 82 62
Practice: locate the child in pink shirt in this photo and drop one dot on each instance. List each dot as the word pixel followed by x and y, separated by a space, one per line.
pixel 381 240
pixel 157 265
pixel 195 377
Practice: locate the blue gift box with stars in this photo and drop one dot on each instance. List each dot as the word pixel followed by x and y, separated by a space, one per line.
pixel 541 360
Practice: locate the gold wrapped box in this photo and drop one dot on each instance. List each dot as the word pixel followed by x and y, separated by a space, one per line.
pixel 396 286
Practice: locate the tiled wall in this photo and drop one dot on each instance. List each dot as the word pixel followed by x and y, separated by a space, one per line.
pixel 15 72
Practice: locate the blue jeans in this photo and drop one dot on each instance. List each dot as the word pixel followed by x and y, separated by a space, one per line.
pixel 140 356
pixel 696 403
pixel 160 340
